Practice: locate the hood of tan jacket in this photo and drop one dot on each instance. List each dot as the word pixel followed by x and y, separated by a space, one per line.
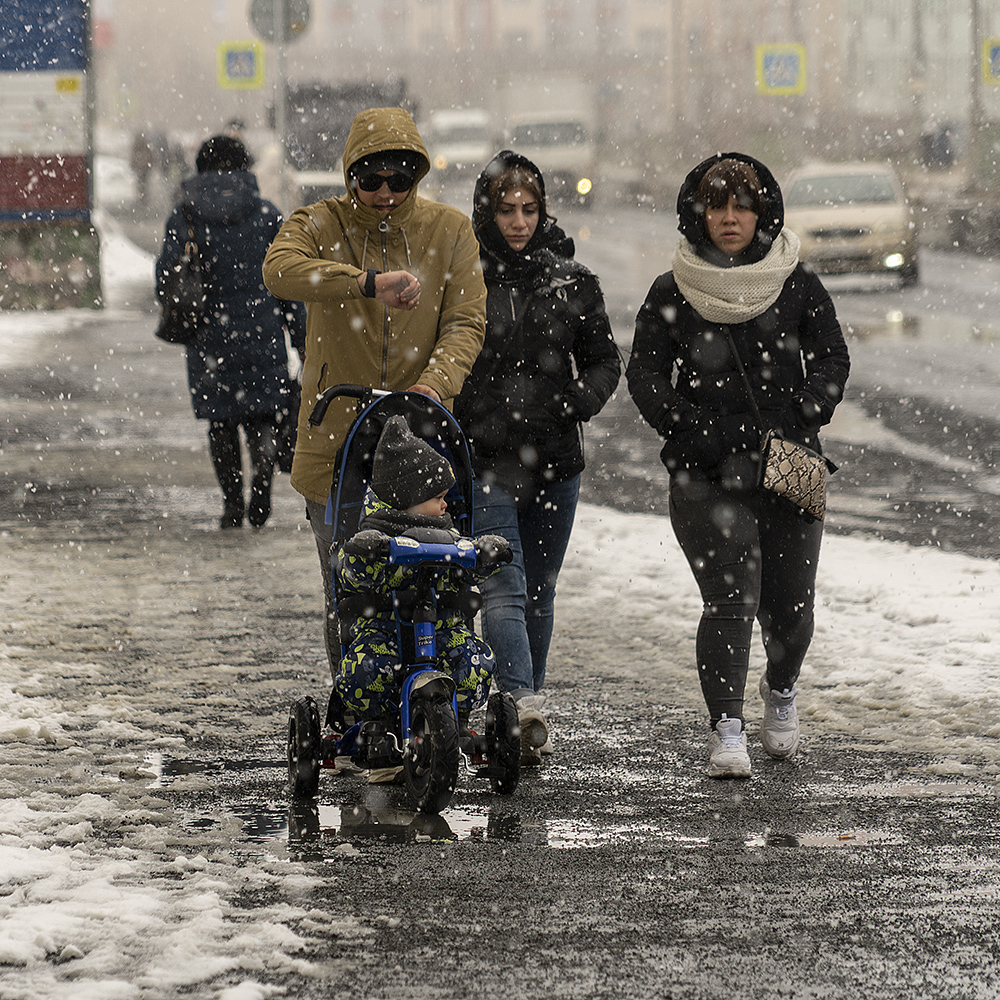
pixel 317 258
pixel 378 130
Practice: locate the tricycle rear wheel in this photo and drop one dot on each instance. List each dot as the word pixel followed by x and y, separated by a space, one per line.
pixel 304 748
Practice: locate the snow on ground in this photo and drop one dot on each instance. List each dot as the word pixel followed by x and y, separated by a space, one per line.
pixel 96 872
pixel 97 878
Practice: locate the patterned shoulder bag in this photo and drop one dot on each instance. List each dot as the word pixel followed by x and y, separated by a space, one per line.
pixel 788 468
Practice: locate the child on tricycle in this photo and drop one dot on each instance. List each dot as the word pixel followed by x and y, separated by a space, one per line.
pixel 409 483
pixel 412 668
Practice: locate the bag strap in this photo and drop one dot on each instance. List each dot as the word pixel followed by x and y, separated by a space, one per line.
pixel 765 435
pixel 746 380
pixel 189 219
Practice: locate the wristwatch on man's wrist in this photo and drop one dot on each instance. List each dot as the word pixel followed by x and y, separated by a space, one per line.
pixel 370 283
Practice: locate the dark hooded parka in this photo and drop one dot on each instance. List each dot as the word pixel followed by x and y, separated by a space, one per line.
pixel 238 364
pixel 683 375
pixel 549 361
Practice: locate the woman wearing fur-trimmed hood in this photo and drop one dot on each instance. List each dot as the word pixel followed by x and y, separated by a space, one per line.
pixel 738 298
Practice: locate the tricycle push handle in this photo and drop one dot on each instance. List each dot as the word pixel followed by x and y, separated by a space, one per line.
pixel 328 395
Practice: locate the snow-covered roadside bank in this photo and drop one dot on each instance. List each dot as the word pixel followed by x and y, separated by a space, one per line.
pixel 106 893
pixel 905 650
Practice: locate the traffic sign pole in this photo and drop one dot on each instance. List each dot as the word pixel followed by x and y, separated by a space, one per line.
pixel 280 20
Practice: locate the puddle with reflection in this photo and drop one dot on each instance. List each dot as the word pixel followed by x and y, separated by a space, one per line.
pixel 367 814
pixel 921 326
pixel 368 822
pixel 328 828
pixel 165 771
pixel 391 822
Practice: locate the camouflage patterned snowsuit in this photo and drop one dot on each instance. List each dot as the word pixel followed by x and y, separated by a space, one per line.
pixel 368 682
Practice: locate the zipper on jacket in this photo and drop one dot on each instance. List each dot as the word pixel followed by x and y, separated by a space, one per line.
pixel 383 228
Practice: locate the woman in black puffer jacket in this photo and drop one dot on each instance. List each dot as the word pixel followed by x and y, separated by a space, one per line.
pixel 737 284
pixel 548 364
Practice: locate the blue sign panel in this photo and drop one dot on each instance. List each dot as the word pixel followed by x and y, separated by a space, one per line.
pixel 44 122
pixel 781 69
pixel 991 61
pixel 43 36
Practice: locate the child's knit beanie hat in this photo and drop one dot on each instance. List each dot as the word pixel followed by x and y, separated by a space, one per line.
pixel 407 470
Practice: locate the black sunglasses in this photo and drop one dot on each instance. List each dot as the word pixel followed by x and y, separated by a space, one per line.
pixel 397 182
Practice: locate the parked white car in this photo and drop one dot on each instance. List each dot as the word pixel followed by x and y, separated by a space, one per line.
pixel 852 218
pixel 115 185
pixel 563 148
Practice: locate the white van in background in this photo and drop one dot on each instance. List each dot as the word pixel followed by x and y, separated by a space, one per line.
pixel 562 146
pixel 459 140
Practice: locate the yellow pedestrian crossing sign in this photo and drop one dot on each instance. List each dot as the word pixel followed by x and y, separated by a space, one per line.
pixel 781 69
pixel 991 61
pixel 240 65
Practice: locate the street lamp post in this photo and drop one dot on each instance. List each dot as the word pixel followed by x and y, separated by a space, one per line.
pixel 976 118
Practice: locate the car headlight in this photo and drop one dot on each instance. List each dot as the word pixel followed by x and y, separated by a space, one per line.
pixel 894 260
pixel 584 185
pixel 440 162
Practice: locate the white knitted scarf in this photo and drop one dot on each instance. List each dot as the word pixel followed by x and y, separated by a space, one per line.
pixel 735 294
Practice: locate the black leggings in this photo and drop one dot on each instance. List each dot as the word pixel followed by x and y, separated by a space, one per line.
pixel 224 447
pixel 753 556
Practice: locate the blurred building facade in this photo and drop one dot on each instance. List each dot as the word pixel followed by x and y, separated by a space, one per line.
pixel 671 78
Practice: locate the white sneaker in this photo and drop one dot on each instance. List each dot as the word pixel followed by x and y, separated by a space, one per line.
pixel 534 728
pixel 344 765
pixel 386 775
pixel 779 732
pixel 727 750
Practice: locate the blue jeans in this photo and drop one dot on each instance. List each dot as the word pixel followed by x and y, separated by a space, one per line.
pixel 518 600
pixel 323 533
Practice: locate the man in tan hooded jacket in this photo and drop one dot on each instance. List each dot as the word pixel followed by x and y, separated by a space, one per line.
pixel 394 296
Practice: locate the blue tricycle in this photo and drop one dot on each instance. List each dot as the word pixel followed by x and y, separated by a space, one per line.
pixel 425 739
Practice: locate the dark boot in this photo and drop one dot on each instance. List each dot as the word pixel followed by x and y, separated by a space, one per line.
pixel 224 448
pixel 260 503
pixel 232 516
pixel 263 446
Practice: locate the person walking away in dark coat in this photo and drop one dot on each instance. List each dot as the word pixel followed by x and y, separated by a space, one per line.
pixel 142 164
pixel 737 285
pixel 238 363
pixel 548 365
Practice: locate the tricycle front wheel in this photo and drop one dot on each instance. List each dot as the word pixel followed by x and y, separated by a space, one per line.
pixel 431 769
